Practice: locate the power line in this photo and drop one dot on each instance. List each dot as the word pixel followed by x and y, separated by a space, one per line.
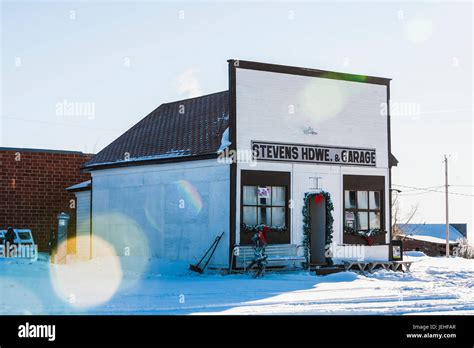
pixel 445 111
pixel 446 192
pixel 429 190
pixel 423 188
pixel 59 124
pixel 416 194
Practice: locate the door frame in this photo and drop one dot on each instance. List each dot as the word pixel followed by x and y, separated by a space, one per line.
pixel 329 230
pixel 318 231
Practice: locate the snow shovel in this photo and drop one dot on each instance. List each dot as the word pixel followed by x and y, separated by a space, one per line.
pixel 213 247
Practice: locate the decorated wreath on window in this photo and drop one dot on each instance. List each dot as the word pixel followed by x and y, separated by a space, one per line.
pixel 368 235
pixel 262 228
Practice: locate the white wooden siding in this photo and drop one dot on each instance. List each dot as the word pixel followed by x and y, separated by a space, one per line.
pixel 280 107
pixel 274 107
pixel 83 203
pixel 173 211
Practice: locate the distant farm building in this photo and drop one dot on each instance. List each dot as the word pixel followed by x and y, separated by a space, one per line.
pixel 430 238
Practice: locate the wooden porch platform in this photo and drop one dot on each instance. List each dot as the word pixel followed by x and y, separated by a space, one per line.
pixel 325 270
pixel 364 266
pixel 403 266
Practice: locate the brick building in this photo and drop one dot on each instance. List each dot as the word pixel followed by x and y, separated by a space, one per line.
pixel 33 186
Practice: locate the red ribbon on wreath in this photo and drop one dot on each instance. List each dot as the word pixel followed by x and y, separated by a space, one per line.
pixel 318 198
pixel 262 235
pixel 369 240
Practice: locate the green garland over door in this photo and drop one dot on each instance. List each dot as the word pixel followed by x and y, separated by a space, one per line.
pixel 307 222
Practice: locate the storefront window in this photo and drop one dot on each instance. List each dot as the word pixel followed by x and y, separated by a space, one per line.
pixel 350 199
pixel 278 216
pixel 362 210
pixel 250 215
pixel 362 200
pixel 264 205
pixel 250 195
pixel 374 220
pixel 264 200
pixel 363 220
pixel 374 199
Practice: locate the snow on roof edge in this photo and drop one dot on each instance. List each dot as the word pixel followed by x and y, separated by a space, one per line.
pixel 81 185
pixel 225 141
pixel 430 239
pixel 177 154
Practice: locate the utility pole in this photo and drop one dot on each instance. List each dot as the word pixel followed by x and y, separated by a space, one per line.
pixel 447 209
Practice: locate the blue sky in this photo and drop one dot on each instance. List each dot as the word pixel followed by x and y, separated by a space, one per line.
pixel 126 58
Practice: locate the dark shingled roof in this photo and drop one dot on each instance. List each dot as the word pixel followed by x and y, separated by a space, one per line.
pixel 184 128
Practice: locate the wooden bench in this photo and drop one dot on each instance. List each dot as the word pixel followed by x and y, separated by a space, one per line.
pixel 277 255
pixel 371 265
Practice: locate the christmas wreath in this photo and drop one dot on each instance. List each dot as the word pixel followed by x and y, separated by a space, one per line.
pixel 263 228
pixel 368 235
pixel 260 239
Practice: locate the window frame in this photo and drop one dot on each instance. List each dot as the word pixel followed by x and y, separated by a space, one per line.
pixel 267 178
pixel 266 206
pixel 365 183
pixel 367 210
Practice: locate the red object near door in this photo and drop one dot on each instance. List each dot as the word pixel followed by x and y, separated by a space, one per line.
pixel 318 198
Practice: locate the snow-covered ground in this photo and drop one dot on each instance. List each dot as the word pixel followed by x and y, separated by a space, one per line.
pixel 435 286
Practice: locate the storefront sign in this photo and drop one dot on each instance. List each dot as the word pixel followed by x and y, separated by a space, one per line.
pixel 313 154
pixel 350 219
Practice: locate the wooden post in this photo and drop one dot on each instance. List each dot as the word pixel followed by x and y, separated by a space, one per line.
pixel 446 198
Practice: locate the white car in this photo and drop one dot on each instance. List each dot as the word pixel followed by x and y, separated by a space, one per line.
pixel 22 237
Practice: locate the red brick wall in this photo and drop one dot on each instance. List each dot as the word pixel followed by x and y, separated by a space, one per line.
pixel 33 190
